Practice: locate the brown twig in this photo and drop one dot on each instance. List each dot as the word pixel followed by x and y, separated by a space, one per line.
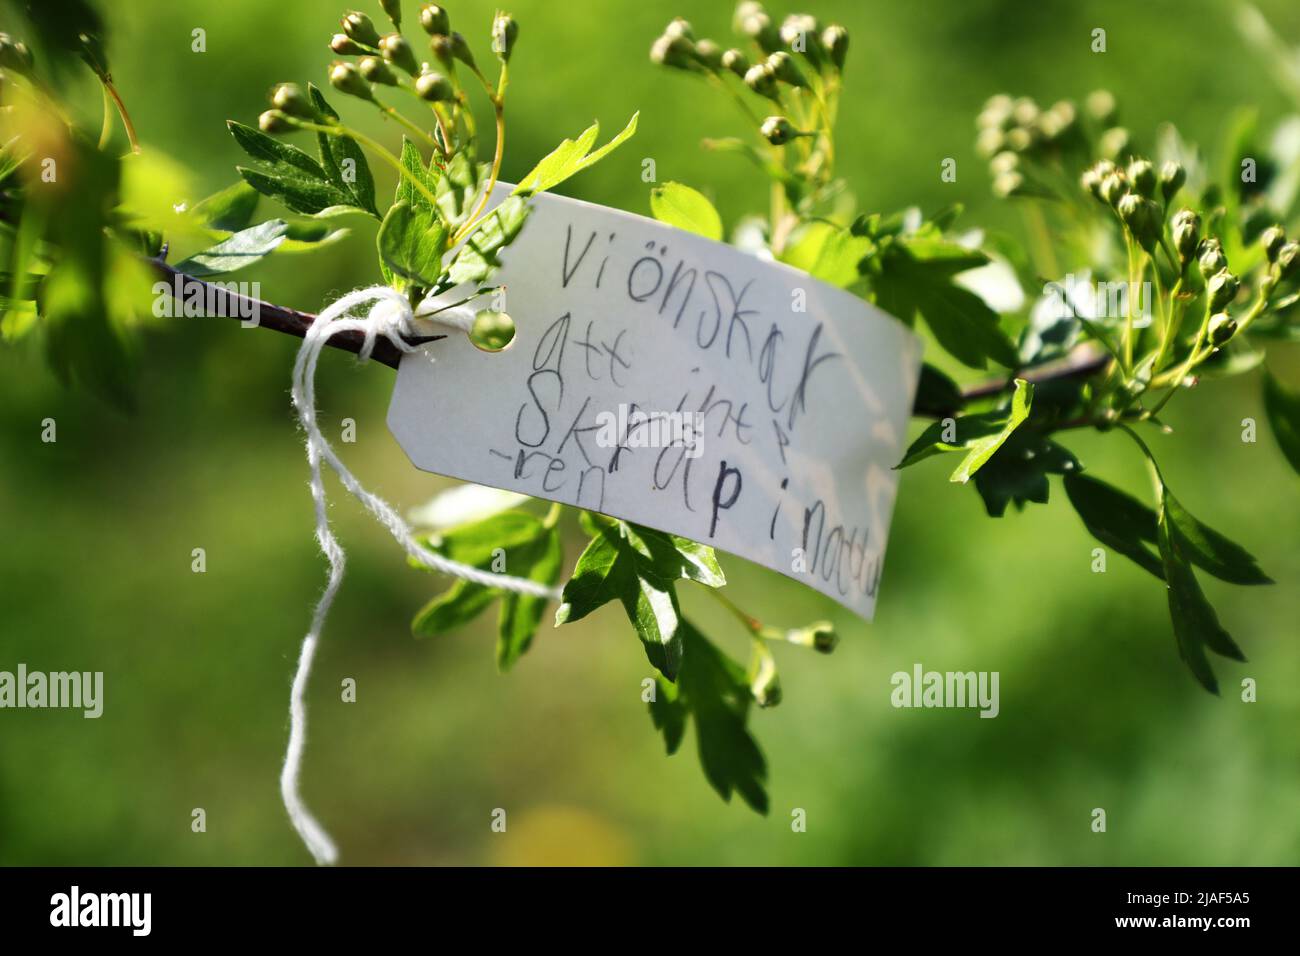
pixel 276 317
pixel 1083 361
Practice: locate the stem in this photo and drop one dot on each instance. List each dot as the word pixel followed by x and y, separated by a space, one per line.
pixel 409 125
pixel 752 624
pixel 499 105
pixel 339 129
pixel 111 90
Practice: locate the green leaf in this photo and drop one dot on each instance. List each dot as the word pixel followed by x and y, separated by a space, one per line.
pixel 288 175
pixel 686 208
pixel 978 435
pixel 1196 626
pixel 668 712
pixel 1017 472
pixel 1116 520
pixel 479 256
pixel 1210 550
pixel 242 249
pixel 344 161
pixel 983 448
pixel 917 276
pixel 411 244
pixel 458 605
pixel 936 393
pixel 530 548
pixel 570 158
pixel 413 163
pixel 1283 410
pixel 521 614
pixel 715 691
pixel 638 567
pixel 839 258
pixel 230 210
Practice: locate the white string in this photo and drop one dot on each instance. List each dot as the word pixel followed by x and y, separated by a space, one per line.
pixel 389 315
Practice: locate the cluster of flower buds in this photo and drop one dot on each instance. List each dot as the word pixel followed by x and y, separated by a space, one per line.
pixel 288 102
pixel 787 56
pixel 1021 127
pixel 1132 190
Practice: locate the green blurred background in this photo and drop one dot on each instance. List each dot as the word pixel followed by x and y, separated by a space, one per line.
pixel 96 530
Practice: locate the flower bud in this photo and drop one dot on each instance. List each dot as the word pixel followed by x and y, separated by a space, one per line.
pixel 434 87
pixel 1212 259
pixel 440 46
pixel 1186 229
pixel 1057 121
pixel 990 141
pixel 358 27
pixel 1100 105
pixel 783 68
pixel 679 27
pixel 14 55
pixel 836 41
pixel 1114 142
pixel 761 80
pixel 1172 177
pixel 375 70
pixel 393 9
pixel 1142 216
pixel 757 25
pixel 820 636
pixel 399 53
pixel 1005 162
pixel 709 55
pixel 289 99
pixel 1007 185
pixel 801 33
pixel 1089 180
pixel 344 45
pixel 765 682
pixel 1222 327
pixel 1024 111
pixel 434 20
pixel 1272 239
pixel 675 52
pixel 346 78
pixel 274 121
pixel 1113 187
pixel 460 50
pixel 1143 177
pixel 1020 139
pixel 996 113
pixel 1288 260
pixel 778 130
pixel 1221 290
pixel 736 62
pixel 504 33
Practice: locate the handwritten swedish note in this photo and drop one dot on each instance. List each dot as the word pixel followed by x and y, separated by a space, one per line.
pixel 683 384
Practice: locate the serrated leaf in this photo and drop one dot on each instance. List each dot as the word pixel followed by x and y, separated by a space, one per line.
pixel 269 150
pixel 479 256
pixel 412 243
pixel 1196 626
pixel 716 693
pixel 637 567
pixel 337 152
pixel 839 258
pixel 1283 410
pixel 685 208
pixel 1210 550
pixel 458 605
pixel 982 449
pixel 570 158
pixel 242 249
pixel 978 435
pixel 230 210
pixel 311 197
pixel 668 713
pixel 1017 473
pixel 1116 519
pixel 521 614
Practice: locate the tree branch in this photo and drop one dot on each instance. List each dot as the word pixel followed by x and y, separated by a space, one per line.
pixel 1083 361
pixel 278 318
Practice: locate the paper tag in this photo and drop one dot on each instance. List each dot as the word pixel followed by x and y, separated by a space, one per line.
pixel 683 384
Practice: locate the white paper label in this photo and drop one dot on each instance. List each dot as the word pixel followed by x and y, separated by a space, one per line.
pixel 796 395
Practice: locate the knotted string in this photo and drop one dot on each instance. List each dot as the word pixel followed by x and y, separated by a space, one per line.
pixel 389 314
